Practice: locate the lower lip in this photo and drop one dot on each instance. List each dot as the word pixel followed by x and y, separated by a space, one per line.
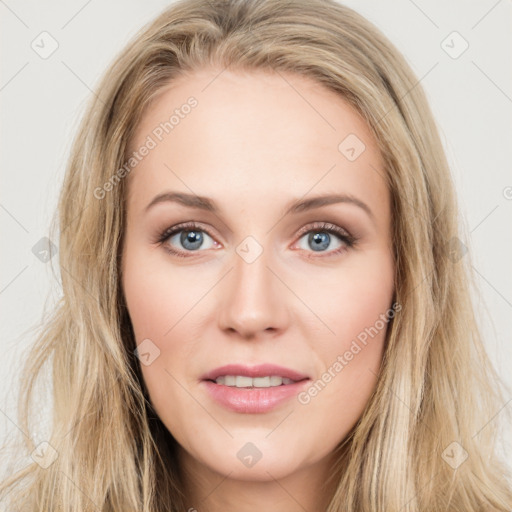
pixel 253 400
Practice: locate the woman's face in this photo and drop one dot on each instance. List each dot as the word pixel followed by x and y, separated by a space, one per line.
pixel 268 274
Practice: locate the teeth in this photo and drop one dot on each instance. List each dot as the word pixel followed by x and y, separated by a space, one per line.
pixel 241 381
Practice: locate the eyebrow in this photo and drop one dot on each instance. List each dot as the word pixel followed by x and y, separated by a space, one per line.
pixel 301 205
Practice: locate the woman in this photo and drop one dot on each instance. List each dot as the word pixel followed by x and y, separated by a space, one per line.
pixel 265 304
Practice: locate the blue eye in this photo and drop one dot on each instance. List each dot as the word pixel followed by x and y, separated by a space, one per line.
pixel 190 236
pixel 190 240
pixel 319 236
pixel 319 240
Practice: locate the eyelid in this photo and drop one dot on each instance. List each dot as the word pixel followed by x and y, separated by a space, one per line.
pixel 191 225
pixel 183 226
pixel 321 225
pixel 328 227
pixel 347 239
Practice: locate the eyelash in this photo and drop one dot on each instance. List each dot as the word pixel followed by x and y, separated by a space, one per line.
pixel 348 240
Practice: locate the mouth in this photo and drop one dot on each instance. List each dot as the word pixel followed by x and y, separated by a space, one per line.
pixel 242 381
pixel 259 376
pixel 256 389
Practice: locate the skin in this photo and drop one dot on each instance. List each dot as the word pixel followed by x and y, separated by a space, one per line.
pixel 255 142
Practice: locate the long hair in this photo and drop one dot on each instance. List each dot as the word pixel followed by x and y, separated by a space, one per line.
pixel 427 440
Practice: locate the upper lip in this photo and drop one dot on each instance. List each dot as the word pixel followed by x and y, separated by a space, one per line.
pixel 261 370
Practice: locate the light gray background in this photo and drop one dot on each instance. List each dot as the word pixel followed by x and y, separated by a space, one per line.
pixel 42 100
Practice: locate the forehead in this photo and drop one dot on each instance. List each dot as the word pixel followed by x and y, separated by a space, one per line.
pixel 259 131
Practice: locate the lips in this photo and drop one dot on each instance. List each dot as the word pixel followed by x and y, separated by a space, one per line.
pixel 253 399
pixel 262 370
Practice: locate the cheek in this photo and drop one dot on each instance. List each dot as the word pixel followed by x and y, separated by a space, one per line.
pixel 157 296
pixel 158 302
pixel 165 307
pixel 347 301
pixel 355 307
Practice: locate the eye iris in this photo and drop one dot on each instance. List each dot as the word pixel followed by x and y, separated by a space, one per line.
pixel 321 240
pixel 193 237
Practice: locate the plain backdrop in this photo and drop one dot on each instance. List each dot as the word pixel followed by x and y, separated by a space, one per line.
pixel 460 50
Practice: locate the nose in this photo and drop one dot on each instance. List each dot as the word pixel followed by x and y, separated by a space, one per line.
pixel 253 302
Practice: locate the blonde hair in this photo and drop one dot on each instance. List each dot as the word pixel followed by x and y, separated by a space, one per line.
pixel 436 387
